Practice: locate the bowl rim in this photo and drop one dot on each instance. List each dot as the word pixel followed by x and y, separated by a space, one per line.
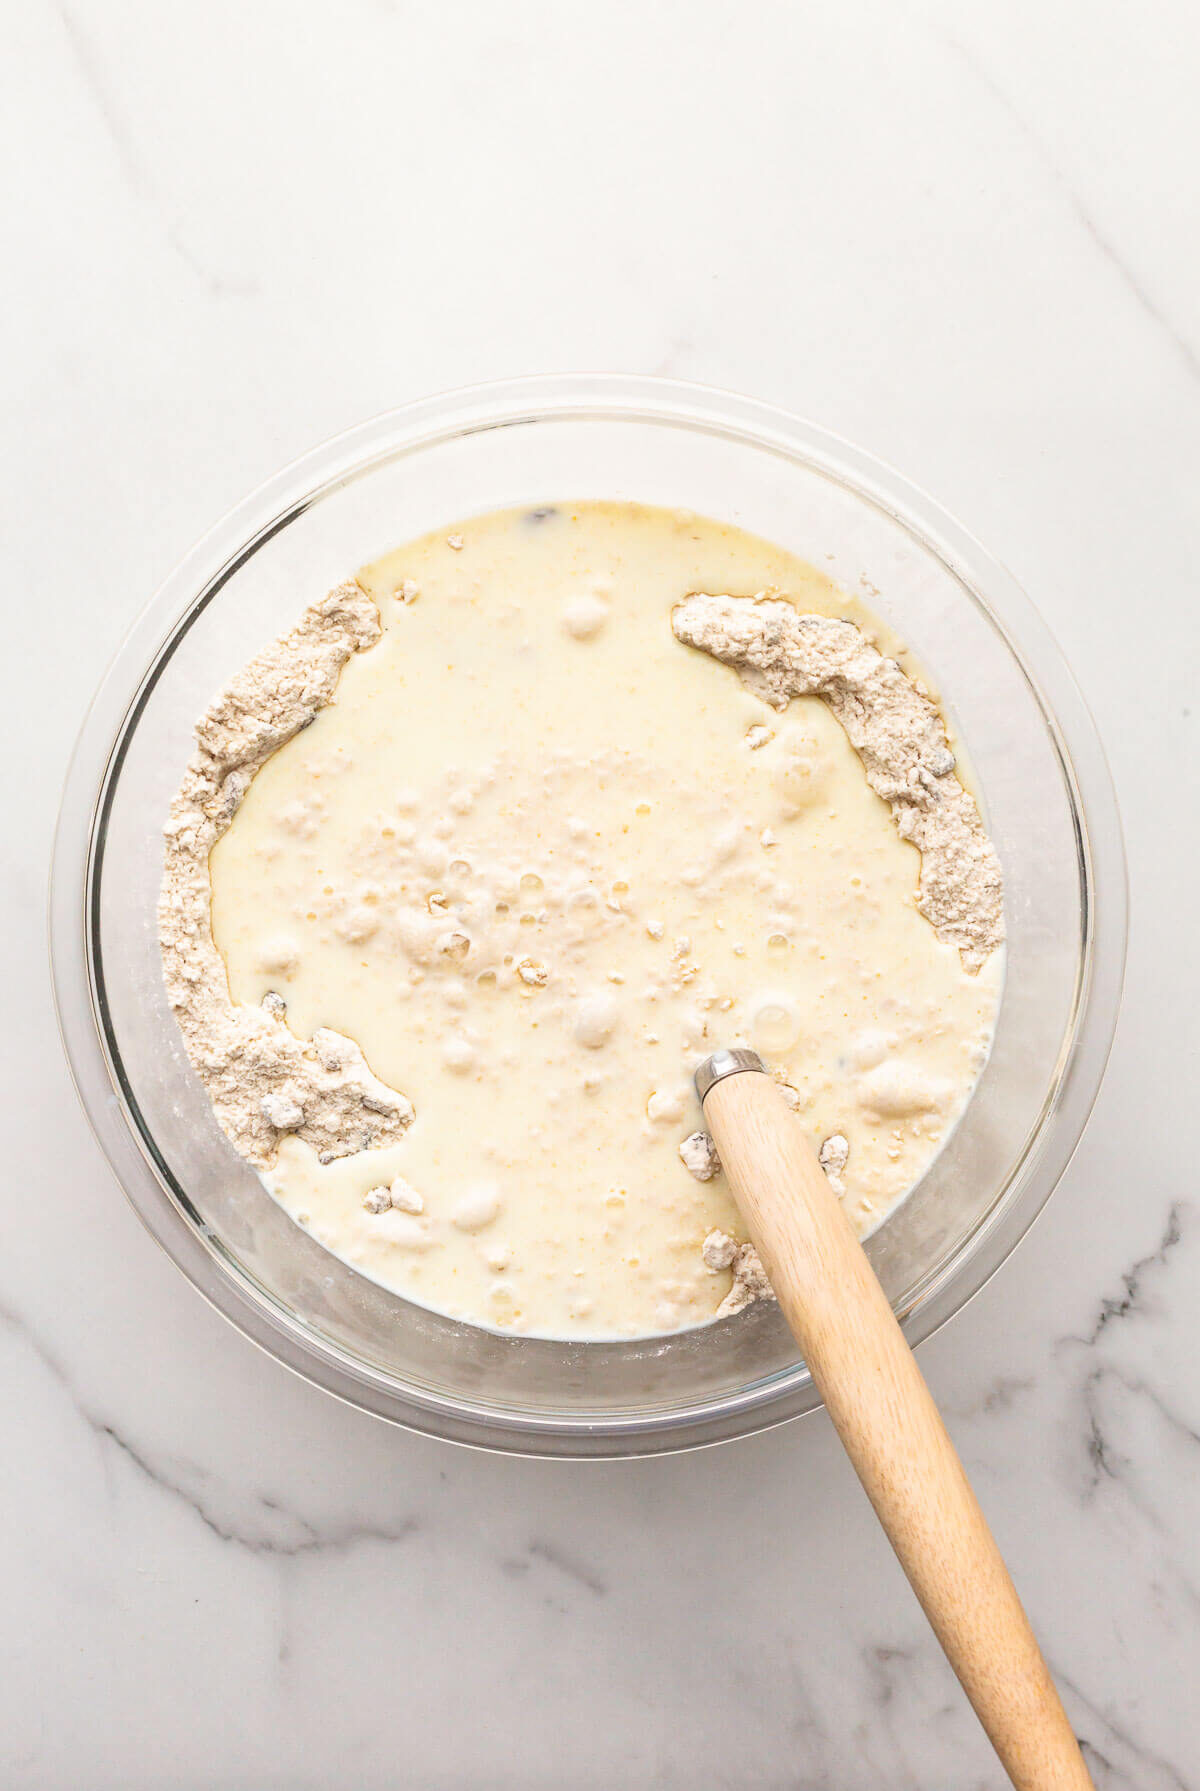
pixel 197 579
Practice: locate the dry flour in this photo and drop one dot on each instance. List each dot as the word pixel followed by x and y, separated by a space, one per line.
pixel 262 1080
pixel 896 731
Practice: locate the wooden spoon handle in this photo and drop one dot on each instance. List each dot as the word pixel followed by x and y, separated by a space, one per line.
pixel 892 1431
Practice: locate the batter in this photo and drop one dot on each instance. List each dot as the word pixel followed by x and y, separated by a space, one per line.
pixel 535 859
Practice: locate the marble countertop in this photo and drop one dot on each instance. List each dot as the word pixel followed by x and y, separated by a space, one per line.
pixel 967 237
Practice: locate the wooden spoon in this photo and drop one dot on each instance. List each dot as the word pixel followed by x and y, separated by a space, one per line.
pixel 884 1413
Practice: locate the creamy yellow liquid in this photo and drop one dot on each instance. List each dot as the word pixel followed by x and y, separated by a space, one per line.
pixel 538 859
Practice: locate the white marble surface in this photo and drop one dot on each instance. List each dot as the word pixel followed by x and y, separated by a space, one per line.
pixel 966 236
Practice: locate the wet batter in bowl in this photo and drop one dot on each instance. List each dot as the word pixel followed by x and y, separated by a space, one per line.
pixel 471 869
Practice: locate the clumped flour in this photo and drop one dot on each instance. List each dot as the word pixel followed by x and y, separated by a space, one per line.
pixel 271 1086
pixel 262 1080
pixel 895 730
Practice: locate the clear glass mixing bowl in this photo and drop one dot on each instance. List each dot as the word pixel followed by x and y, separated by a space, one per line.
pixel 1035 753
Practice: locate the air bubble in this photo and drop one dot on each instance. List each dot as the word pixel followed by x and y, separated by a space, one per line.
pixel 776 1025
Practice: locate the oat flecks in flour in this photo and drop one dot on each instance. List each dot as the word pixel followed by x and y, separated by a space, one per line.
pixel 896 731
pixel 262 1080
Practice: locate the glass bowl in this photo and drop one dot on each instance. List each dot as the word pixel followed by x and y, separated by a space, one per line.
pixel 1036 757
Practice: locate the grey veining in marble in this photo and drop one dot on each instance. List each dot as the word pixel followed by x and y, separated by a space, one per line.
pixel 967 236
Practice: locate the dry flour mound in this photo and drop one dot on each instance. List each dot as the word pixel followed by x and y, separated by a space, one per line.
pixel 262 1080
pixel 896 731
